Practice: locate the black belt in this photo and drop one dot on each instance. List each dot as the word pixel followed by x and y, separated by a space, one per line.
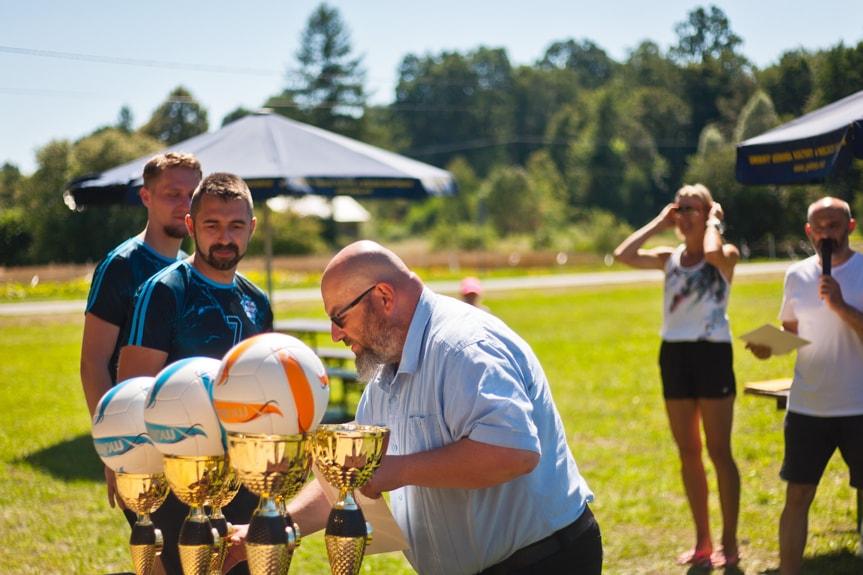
pixel 544 548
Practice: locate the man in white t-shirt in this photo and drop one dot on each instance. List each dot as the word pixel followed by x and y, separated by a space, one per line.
pixel 825 404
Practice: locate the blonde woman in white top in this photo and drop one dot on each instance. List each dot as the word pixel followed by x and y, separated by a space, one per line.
pixel 695 360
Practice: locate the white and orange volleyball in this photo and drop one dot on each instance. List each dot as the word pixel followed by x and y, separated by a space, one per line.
pixel 273 384
pixel 179 410
pixel 119 432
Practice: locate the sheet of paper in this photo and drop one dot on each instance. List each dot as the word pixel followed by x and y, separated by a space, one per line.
pixel 780 341
pixel 386 534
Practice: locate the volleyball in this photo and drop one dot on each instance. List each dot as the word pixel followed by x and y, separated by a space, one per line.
pixel 119 432
pixel 179 411
pixel 271 383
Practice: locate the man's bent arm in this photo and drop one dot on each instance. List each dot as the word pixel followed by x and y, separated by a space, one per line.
pixel 852 316
pixel 465 464
pixel 310 508
pixel 138 361
pixel 97 346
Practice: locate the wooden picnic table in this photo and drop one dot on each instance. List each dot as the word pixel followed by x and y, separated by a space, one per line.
pixel 775 388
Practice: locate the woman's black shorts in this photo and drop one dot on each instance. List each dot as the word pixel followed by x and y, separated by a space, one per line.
pixel 697 369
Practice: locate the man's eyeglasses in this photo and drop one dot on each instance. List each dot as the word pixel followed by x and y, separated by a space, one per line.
pixel 687 211
pixel 337 318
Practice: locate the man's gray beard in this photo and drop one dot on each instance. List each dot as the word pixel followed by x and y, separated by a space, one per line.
pixel 382 349
pixel 368 364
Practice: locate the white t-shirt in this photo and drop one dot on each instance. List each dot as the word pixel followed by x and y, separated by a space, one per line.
pixel 828 374
pixel 694 302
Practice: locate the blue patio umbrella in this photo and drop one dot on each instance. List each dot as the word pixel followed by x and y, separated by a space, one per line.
pixel 805 150
pixel 277 156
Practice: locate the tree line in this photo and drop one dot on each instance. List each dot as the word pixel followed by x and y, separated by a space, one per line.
pixel 568 153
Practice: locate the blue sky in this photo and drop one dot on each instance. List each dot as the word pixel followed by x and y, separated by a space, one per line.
pixel 136 53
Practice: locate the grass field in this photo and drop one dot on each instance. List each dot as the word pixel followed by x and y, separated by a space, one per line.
pixel 599 347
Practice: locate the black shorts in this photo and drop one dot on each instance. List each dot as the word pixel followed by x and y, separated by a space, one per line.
pixel 811 441
pixel 697 369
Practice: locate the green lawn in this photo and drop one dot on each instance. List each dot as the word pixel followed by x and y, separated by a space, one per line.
pixel 599 347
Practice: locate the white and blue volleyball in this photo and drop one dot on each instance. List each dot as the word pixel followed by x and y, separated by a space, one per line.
pixel 179 411
pixel 119 432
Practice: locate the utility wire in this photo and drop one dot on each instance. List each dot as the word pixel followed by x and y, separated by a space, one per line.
pixel 138 62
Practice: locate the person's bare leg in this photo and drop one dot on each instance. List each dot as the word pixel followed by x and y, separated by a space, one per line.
pixel 683 416
pixel 717 416
pixel 793 527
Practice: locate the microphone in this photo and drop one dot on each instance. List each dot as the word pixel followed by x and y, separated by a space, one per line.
pixel 826 255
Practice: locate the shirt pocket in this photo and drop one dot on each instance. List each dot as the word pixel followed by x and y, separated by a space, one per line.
pixel 423 433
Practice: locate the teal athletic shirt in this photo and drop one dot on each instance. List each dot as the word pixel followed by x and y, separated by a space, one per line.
pixel 181 312
pixel 114 283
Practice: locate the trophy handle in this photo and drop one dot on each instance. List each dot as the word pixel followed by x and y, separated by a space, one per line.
pixel 294 536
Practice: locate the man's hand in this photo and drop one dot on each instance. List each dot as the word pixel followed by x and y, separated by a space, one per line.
pixel 830 292
pixel 383 479
pixel 236 548
pixel 759 351
pixel 114 499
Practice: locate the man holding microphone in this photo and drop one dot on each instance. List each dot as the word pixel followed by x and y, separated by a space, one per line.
pixel 822 303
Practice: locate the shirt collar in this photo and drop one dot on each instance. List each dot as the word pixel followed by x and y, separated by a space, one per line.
pixel 409 363
pixel 412 351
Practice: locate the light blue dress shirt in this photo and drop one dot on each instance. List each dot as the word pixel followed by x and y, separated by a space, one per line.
pixel 465 374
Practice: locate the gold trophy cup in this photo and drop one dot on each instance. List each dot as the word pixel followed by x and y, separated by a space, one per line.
pixel 275 468
pixel 347 456
pixel 143 494
pixel 198 481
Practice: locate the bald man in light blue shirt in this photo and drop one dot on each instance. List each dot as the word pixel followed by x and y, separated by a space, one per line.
pixel 480 475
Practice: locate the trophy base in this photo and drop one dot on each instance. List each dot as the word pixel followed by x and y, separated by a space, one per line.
pixel 345 554
pixel 270 542
pixel 143 558
pixel 266 559
pixel 198 543
pixel 196 559
pixel 145 544
pixel 346 537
